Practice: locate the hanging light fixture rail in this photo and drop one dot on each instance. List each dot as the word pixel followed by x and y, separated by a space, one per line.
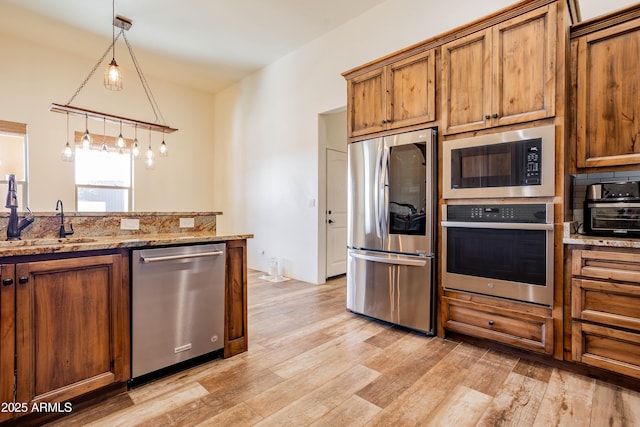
pixel 123 24
pixel 77 111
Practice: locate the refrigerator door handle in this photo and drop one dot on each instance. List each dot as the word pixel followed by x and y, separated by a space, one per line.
pixel 384 192
pixel 376 193
pixel 390 259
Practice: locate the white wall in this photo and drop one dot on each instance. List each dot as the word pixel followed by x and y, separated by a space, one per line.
pixel 266 135
pixel 32 77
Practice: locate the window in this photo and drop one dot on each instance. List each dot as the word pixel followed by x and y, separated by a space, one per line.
pixel 13 158
pixel 103 179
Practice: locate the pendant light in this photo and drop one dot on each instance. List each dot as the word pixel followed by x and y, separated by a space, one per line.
pixel 120 138
pixel 136 149
pixel 86 138
pixel 104 148
pixel 112 76
pixel 164 151
pixel 149 157
pixel 67 152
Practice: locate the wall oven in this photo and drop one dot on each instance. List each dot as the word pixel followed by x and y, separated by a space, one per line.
pixel 502 250
pixel 517 163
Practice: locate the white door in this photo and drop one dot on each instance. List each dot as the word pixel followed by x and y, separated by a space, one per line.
pixel 336 213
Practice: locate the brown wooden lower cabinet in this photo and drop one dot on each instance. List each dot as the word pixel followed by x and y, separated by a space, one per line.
pixel 605 320
pixel 71 328
pixel 236 339
pixel 526 327
pixel 607 348
pixel 7 338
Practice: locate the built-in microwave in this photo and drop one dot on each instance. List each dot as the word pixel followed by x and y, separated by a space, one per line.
pixel 518 163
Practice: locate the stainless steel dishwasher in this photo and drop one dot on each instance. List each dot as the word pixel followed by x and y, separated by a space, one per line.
pixel 177 305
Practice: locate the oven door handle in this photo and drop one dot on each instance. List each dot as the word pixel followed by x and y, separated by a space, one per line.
pixel 498 225
pixel 390 259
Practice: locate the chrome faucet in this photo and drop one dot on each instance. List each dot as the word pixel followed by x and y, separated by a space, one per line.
pixel 63 233
pixel 15 225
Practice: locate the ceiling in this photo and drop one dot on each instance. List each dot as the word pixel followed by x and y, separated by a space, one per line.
pixel 213 42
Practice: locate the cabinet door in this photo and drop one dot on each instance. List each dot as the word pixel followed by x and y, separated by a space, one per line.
pixel 608 97
pixel 365 96
pixel 466 78
pixel 68 322
pixel 524 50
pixel 411 90
pixel 7 336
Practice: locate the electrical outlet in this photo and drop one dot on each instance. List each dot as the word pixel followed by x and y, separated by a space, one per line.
pixel 129 224
pixel 187 222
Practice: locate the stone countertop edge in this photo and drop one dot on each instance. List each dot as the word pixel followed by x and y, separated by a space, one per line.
pixel 571 238
pixel 72 214
pixel 79 244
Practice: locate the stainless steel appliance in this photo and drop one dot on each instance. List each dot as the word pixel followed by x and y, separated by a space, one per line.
pixel 612 209
pixel 177 306
pixel 505 164
pixel 502 250
pixel 391 228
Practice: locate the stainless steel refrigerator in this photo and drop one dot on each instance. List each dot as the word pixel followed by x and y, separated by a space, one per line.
pixel 391 233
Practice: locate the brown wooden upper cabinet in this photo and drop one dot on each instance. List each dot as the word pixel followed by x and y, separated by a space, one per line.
pixel 396 95
pixel 502 75
pixel 608 96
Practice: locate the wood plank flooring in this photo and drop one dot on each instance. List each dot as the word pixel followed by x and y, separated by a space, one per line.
pixel 312 363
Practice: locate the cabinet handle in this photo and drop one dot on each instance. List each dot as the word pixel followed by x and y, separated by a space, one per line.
pixel 7 282
pixel 495 116
pixel 487 117
pixel 23 280
pixel 490 322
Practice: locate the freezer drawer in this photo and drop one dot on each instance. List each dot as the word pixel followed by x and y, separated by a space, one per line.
pixel 177 306
pixel 391 287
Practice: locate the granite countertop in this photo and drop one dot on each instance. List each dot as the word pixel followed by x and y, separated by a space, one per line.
pixel 42 246
pixel 614 242
pixel 570 237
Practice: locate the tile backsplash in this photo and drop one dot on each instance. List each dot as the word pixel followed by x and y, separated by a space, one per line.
pixel 580 182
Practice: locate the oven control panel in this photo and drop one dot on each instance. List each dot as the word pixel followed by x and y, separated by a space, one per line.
pixel 527 213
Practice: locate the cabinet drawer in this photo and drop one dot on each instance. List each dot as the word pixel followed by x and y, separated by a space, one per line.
pixel 606 348
pixel 608 265
pixel 614 304
pixel 523 330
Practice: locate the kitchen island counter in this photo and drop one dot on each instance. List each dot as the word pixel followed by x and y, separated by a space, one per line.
pixel 42 246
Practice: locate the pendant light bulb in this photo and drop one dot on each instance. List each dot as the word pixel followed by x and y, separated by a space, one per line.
pixel 67 152
pixel 113 77
pixel 149 158
pixel 136 148
pixel 164 151
pixel 120 139
pixel 86 138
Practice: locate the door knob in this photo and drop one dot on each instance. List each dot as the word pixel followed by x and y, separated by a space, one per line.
pixel 329 212
pixel 330 221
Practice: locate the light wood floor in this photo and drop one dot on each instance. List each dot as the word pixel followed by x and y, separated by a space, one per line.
pixel 312 363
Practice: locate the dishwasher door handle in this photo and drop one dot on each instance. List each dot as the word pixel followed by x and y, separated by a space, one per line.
pixel 147 260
